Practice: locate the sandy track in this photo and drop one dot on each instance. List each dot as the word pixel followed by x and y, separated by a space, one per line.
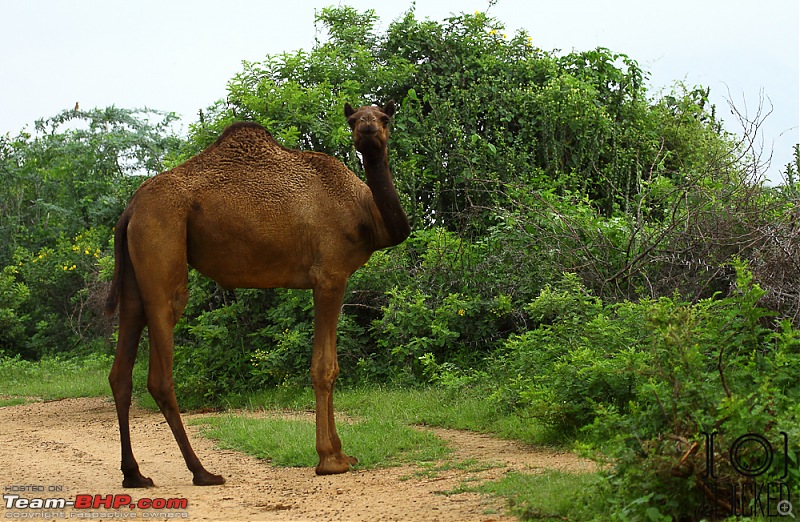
pixel 74 444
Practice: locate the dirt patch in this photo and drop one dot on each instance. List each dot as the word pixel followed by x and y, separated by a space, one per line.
pixel 73 445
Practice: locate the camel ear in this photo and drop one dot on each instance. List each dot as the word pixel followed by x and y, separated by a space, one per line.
pixel 389 108
pixel 348 110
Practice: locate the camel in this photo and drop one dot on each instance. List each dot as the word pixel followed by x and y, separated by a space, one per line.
pixel 249 213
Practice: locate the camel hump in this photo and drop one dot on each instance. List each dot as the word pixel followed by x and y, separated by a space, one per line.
pixel 249 137
pixel 246 137
pixel 241 127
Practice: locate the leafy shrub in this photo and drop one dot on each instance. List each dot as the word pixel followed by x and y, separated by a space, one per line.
pixel 710 368
pixel 76 171
pixel 12 296
pixel 230 342
pixel 286 341
pixel 573 360
pixel 63 310
pixel 448 308
pixel 644 384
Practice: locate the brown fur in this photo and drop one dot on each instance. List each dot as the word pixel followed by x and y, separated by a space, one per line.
pixel 248 212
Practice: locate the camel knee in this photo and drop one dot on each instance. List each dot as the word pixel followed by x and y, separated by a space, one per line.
pixel 324 376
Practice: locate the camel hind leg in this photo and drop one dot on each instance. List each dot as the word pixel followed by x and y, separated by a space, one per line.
pixel 131 323
pixel 158 254
pixel 161 385
pixel 165 294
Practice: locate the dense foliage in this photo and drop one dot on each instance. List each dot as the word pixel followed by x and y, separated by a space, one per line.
pixel 591 258
pixel 644 386
pixel 63 189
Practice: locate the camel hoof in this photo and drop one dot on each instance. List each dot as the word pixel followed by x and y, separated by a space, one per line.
pixel 335 464
pixel 137 481
pixel 207 479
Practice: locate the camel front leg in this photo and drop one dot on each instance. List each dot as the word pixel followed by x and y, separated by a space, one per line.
pixel 324 370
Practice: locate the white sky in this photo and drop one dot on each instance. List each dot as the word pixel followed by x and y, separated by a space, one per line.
pixel 177 55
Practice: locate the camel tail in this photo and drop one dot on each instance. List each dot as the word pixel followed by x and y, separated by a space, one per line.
pixel 120 260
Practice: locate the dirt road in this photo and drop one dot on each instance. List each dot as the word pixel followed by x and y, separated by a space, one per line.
pixel 66 448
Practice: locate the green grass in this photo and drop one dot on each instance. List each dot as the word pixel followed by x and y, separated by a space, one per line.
pixel 12 401
pixel 432 470
pixel 376 442
pixel 53 378
pixel 423 406
pixel 551 495
pixel 382 434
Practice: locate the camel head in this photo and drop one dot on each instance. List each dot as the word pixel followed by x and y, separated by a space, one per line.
pixel 370 126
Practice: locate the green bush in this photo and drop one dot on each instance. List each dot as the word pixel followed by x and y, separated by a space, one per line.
pixel 575 358
pixel 62 312
pixel 643 384
pixel 12 296
pixel 76 171
pixel 231 342
pixel 711 367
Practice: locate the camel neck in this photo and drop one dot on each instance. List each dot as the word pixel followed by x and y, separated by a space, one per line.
pixel 376 167
pixel 379 180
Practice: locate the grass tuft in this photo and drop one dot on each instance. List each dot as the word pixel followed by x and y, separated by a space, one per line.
pixel 430 406
pixel 53 378
pixel 12 401
pixel 550 495
pixel 291 442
